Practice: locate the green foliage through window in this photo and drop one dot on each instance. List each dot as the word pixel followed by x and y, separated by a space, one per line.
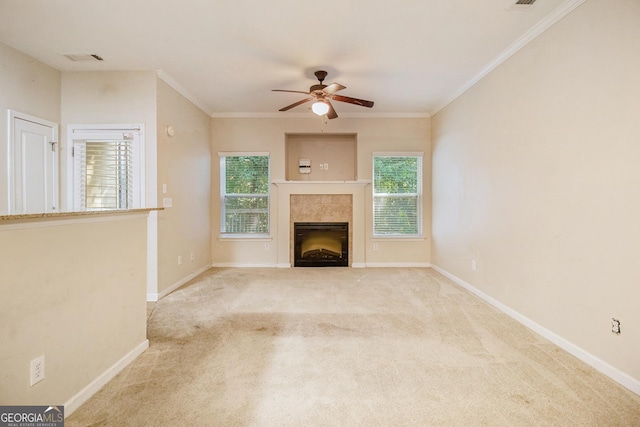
pixel 244 189
pixel 397 195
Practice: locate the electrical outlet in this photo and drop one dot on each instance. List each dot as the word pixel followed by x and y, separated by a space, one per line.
pixel 473 264
pixel 375 247
pixel 266 247
pixel 180 260
pixel 615 326
pixel 192 257
pixel 37 370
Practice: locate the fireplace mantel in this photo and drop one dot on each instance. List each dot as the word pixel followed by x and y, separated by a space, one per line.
pixel 282 182
pixel 284 190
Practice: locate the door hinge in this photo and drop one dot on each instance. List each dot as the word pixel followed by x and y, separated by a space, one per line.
pixel 73 151
pixel 53 145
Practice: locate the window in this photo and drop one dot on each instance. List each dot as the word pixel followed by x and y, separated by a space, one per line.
pixel 106 168
pixel 104 174
pixel 244 193
pixel 397 195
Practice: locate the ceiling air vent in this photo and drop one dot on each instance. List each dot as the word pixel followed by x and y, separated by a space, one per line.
pixel 83 57
pixel 519 4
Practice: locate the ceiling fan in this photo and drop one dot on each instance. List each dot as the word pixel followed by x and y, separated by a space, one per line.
pixel 323 95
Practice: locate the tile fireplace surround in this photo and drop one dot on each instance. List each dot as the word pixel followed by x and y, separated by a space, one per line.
pixel 321 201
pixel 321 208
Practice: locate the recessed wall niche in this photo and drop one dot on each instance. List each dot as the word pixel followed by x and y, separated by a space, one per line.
pixel 321 157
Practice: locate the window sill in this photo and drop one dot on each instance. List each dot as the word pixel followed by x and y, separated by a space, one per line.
pixel 245 237
pixel 398 238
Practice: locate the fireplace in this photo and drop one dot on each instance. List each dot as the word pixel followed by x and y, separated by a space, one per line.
pixel 321 244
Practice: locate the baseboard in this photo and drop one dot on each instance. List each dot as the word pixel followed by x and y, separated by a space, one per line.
pixel 353 265
pixel 95 385
pixel 600 365
pixel 176 285
pixel 398 264
pixel 243 265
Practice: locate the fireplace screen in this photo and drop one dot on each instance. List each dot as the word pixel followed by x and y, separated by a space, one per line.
pixel 321 244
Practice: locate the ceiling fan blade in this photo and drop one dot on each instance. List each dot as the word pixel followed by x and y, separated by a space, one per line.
pixel 290 91
pixel 288 107
pixel 331 114
pixel 333 88
pixel 356 101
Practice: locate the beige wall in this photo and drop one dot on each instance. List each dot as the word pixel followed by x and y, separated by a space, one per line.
pixel 29 87
pixel 64 298
pixel 536 177
pixel 115 97
pixel 118 97
pixel 338 152
pixel 268 134
pixel 184 165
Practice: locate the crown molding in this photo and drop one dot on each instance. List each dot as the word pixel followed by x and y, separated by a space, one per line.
pixel 162 75
pixel 309 115
pixel 555 16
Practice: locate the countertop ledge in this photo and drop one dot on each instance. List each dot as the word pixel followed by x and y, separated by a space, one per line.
pixel 53 215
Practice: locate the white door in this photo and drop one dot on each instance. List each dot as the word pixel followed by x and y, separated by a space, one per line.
pixel 33 181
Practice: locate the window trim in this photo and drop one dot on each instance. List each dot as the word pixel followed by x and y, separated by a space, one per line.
pixel 107 131
pixel 243 236
pixel 420 195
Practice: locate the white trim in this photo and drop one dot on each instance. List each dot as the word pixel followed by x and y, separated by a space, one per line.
pixel 288 265
pixel 83 395
pixel 243 265
pixel 397 238
pixel 307 115
pixel 279 182
pixel 398 264
pixel 177 285
pixel 555 16
pixel 600 365
pixel 397 154
pixel 152 255
pixel 243 153
pixel 162 75
pixel 107 132
pixel 11 116
pixel 243 238
pixel 37 120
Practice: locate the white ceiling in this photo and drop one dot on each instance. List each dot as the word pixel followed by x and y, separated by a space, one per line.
pixel 409 56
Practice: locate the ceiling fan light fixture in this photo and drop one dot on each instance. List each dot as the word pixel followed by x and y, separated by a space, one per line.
pixel 320 108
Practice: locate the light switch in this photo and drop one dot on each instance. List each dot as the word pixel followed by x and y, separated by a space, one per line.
pixel 167 202
pixel 164 188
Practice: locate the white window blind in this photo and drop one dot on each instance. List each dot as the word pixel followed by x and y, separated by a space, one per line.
pixel 107 168
pixel 397 195
pixel 105 174
pixel 244 193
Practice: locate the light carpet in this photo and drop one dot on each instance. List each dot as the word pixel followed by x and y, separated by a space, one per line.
pixel 348 347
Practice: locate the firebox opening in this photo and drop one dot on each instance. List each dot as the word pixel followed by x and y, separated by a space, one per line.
pixel 321 244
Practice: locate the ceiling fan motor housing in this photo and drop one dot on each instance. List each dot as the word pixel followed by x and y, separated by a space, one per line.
pixel 318 88
pixel 320 75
